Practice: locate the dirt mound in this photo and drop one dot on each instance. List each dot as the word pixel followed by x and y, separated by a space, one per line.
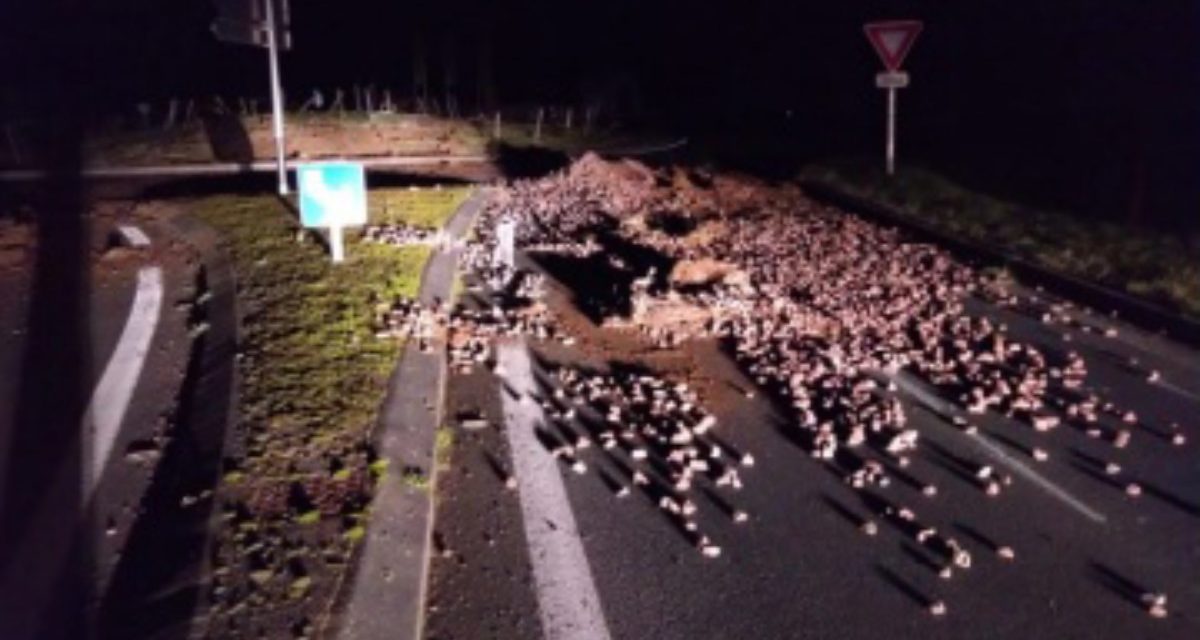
pixel 671 317
pixel 591 168
pixel 628 186
pixel 704 272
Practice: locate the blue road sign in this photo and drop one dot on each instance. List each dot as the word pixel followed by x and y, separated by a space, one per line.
pixel 332 194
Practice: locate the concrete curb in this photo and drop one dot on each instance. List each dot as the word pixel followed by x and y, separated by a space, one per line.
pixel 386 594
pixel 1145 314
pixel 190 465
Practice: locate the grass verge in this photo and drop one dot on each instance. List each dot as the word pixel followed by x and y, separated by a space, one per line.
pixel 1157 267
pixel 417 207
pixel 296 496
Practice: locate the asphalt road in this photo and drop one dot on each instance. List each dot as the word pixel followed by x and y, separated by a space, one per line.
pixel 800 568
pixel 63 532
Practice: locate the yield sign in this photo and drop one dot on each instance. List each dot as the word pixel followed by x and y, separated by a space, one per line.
pixel 892 40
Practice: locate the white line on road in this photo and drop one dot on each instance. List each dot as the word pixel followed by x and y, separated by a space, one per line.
pixel 41 554
pixel 134 235
pixel 915 389
pixel 567 598
pixel 1169 386
pixel 112 394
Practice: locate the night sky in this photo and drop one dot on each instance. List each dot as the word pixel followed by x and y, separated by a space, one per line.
pixel 1084 104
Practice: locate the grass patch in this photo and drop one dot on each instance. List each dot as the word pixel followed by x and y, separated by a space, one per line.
pixel 311 516
pixel 1154 266
pixel 416 479
pixel 425 207
pixel 313 370
pixel 443 446
pixel 379 468
pixel 312 375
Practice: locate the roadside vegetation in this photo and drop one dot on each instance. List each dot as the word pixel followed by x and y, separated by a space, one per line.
pixel 416 207
pixel 315 135
pixel 556 137
pixel 310 135
pixel 1155 266
pixel 298 484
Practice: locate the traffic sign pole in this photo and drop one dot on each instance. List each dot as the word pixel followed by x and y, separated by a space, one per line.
pixel 891 131
pixel 337 251
pixel 892 40
pixel 276 95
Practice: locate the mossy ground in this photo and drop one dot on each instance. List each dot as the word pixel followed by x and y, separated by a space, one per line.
pixel 1151 265
pixel 418 207
pixel 312 373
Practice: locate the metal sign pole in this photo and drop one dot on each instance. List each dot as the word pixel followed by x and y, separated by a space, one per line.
pixel 337 251
pixel 892 40
pixel 891 130
pixel 276 94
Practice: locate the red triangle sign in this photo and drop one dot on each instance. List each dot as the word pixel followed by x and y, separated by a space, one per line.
pixel 893 39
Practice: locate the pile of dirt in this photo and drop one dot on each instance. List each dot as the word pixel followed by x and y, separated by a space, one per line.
pixel 705 272
pixel 630 188
pixel 591 168
pixel 670 319
pixel 627 186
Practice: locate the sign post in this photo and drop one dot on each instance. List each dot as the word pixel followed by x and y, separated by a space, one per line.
pixel 277 98
pixel 333 195
pixel 506 240
pixel 892 40
pixel 261 23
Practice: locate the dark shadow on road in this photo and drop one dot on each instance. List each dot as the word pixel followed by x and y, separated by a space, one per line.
pixel 842 510
pixel 527 162
pixel 243 184
pixel 1096 475
pixel 1118 584
pixel 719 501
pixel 920 557
pixel 903 586
pixel 953 467
pixel 47 535
pixel 495 465
pixel 599 288
pixel 246 183
pixel 1009 441
pixel 158 584
pixel 1189 508
pixel 1092 467
pixel 974 534
pixel 903 476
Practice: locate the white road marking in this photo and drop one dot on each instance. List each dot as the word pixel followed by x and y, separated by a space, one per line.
pixel 110 399
pixel 30 578
pixel 916 390
pixel 567 597
pixel 1169 386
pixel 134 235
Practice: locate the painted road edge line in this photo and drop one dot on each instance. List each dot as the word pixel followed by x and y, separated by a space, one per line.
pixel 111 397
pixel 134 235
pixel 1020 468
pixel 31 584
pixel 568 602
